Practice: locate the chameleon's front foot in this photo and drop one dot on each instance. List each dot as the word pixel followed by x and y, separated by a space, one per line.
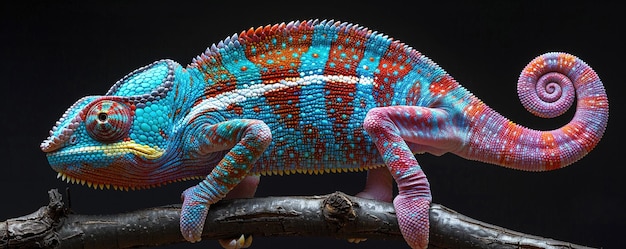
pixel 192 218
pixel 192 215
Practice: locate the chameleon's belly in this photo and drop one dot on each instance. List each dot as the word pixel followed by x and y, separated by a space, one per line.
pixel 316 125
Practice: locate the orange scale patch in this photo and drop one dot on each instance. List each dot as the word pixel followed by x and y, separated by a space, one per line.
pixel 566 62
pixel 533 68
pixel 285 104
pixel 443 85
pixel 394 65
pixel 278 55
pixel 345 53
pixel 551 157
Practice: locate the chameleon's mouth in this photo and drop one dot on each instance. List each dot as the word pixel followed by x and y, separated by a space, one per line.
pixel 119 186
pixel 123 165
pixel 114 150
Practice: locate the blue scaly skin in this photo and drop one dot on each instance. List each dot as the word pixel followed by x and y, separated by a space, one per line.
pixel 313 97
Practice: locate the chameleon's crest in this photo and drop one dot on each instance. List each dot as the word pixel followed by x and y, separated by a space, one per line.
pixel 146 84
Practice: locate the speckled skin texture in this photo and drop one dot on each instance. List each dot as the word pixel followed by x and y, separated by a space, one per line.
pixel 314 97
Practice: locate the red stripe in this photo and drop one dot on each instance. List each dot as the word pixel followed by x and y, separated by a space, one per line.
pixel 284 102
pixel 394 65
pixel 346 52
pixel 276 52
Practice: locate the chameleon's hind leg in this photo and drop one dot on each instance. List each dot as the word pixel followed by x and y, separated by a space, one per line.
pixel 391 128
pixel 245 189
pixel 246 140
pixel 378 186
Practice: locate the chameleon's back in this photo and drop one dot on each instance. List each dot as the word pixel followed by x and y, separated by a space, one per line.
pixel 312 83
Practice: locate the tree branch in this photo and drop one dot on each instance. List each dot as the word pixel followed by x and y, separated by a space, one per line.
pixel 335 215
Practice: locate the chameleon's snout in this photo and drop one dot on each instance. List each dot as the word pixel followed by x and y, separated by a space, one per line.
pixel 63 130
pixel 54 142
pixel 59 135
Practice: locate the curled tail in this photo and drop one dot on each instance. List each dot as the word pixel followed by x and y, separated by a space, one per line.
pixel 547 88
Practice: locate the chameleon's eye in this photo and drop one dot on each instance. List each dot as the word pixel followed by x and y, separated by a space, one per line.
pixel 108 121
pixel 102 117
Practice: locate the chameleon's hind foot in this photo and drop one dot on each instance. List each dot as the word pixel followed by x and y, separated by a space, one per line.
pixel 413 215
pixel 241 242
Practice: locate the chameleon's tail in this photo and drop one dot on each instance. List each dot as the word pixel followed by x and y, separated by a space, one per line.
pixel 547 88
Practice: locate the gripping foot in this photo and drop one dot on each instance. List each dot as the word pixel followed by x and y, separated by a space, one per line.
pixel 192 216
pixel 413 217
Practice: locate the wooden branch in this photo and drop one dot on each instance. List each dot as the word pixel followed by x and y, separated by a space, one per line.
pixel 335 215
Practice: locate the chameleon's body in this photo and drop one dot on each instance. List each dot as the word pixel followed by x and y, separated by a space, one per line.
pixel 312 97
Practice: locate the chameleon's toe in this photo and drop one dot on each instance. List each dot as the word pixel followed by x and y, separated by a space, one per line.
pixel 192 216
pixel 241 242
pixel 413 215
pixel 356 240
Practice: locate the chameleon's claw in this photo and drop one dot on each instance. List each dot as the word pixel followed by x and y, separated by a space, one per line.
pixel 192 216
pixel 356 240
pixel 248 242
pixel 241 242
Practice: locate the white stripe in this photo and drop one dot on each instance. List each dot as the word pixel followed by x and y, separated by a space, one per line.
pixel 255 90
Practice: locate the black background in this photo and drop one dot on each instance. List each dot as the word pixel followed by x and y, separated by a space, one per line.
pixel 56 52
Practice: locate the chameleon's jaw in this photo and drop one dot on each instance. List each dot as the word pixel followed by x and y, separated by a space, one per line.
pixel 123 165
pixel 120 175
pixel 76 180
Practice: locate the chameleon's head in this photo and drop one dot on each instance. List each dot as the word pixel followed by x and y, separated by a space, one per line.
pixel 117 139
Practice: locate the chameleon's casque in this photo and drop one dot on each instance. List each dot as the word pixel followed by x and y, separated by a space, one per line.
pixel 313 97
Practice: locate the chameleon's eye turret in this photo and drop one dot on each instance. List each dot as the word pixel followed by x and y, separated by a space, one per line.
pixel 108 121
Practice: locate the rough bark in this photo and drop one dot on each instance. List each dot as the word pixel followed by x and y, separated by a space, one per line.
pixel 335 215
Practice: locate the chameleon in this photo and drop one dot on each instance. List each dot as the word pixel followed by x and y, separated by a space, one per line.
pixel 314 96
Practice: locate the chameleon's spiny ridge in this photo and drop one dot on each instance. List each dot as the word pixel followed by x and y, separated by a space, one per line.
pixel 313 97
